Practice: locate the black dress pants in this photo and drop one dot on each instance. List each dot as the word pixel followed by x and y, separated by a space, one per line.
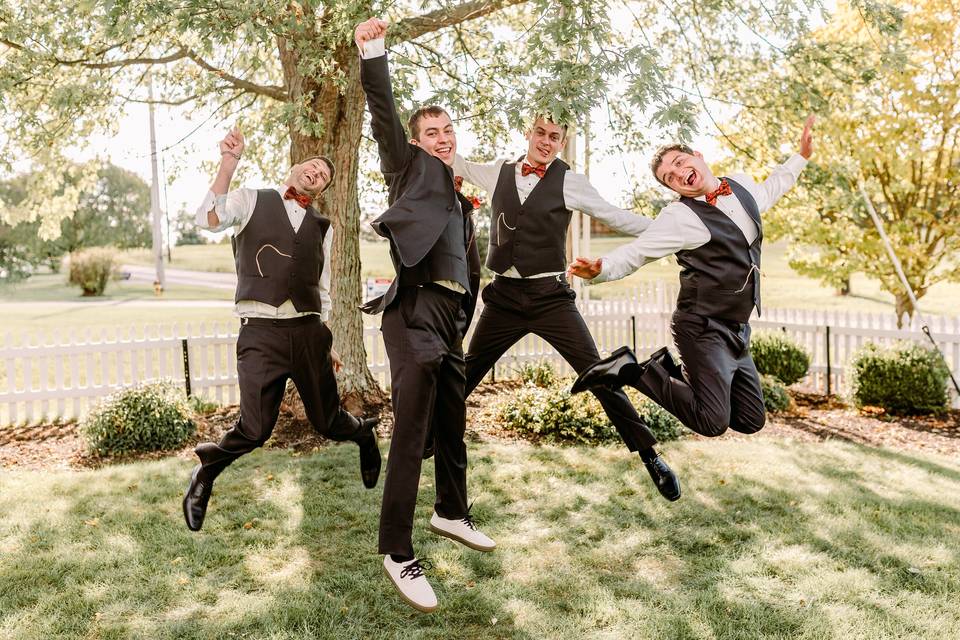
pixel 721 388
pixel 423 335
pixel 268 353
pixel 514 307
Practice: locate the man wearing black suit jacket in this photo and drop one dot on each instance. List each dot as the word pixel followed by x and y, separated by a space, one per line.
pixel 426 312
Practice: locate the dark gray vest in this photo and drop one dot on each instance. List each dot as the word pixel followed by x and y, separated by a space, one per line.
pixel 721 279
pixel 530 236
pixel 447 259
pixel 274 264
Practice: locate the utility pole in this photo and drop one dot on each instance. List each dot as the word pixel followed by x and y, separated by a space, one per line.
pixel 155 213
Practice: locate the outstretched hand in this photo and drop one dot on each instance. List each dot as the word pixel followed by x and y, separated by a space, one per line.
pixel 585 268
pixel 371 29
pixel 806 138
pixel 233 144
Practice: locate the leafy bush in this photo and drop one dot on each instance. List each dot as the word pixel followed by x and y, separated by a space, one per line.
pixel 904 378
pixel 776 354
pixel 149 417
pixel 660 421
pixel 200 406
pixel 91 269
pixel 553 415
pixel 775 396
pixel 540 374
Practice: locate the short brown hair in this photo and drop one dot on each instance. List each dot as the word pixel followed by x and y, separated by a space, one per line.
pixel 329 163
pixel 547 118
pixel 430 110
pixel 664 150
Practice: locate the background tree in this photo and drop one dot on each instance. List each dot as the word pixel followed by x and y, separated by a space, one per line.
pixel 185 226
pixel 288 71
pixel 897 135
pixel 112 208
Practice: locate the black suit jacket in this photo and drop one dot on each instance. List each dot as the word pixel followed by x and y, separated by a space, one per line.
pixel 420 187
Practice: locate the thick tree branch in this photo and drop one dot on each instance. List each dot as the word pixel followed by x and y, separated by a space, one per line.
pixel 270 91
pixel 410 28
pixel 87 64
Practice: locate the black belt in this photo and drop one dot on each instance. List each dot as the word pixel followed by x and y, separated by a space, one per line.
pixel 312 318
pixel 560 277
pixel 439 288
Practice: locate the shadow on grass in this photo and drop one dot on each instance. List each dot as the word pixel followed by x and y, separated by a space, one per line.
pixel 817 541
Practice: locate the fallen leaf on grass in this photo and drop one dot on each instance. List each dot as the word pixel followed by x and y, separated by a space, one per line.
pixel 248 525
pixel 92 523
pixel 183 581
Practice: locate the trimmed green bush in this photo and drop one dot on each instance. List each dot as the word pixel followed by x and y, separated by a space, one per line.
pixel 775 396
pixel 541 374
pixel 660 421
pixel 91 269
pixel 551 414
pixel 778 355
pixel 904 379
pixel 149 417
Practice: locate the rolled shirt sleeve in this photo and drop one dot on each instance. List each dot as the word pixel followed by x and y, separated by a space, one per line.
pixel 234 209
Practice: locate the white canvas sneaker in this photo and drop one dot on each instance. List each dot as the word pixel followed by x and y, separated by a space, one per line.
pixel 409 579
pixel 463 531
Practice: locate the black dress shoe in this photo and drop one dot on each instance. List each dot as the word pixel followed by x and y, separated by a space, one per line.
pixel 663 357
pixel 663 476
pixel 615 370
pixel 369 453
pixel 195 501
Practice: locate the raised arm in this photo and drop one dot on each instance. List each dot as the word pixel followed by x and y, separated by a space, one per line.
pixel 785 176
pixel 222 208
pixel 392 144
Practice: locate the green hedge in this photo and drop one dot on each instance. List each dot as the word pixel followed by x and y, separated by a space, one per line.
pixel 777 355
pixel 904 378
pixel 551 414
pixel 149 417
pixel 91 269
pixel 775 396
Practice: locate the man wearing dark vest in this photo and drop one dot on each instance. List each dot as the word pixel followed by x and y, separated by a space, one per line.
pixel 425 313
pixel 532 200
pixel 715 230
pixel 282 250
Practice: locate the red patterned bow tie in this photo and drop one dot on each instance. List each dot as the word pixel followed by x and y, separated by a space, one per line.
pixel 302 199
pixel 527 169
pixel 722 190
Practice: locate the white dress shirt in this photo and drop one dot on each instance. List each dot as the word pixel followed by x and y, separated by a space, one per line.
pixel 234 210
pixel 578 194
pixel 678 228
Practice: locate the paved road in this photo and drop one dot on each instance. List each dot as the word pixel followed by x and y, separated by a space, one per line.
pixel 139 273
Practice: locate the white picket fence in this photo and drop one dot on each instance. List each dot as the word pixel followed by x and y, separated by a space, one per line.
pixel 49 376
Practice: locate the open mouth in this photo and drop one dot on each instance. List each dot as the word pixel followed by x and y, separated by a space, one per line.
pixel 691 178
pixel 543 152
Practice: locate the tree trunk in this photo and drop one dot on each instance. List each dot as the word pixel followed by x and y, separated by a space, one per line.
pixel 341 114
pixel 904 308
pixel 843 288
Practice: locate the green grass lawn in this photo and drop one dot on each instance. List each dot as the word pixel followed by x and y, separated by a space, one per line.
pixel 53 287
pixel 773 539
